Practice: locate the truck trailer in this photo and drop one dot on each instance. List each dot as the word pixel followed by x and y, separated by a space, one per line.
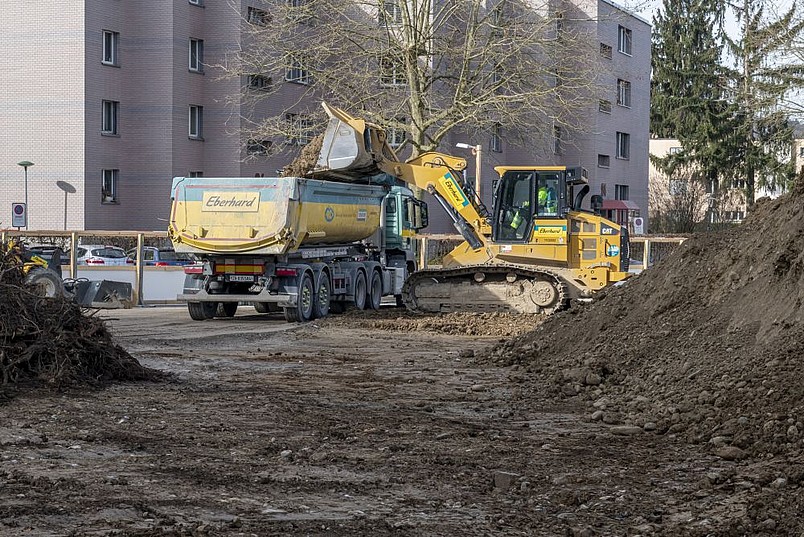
pixel 305 246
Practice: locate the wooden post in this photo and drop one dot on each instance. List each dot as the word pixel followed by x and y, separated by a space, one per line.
pixel 138 299
pixel 73 255
pixel 645 254
pixel 422 253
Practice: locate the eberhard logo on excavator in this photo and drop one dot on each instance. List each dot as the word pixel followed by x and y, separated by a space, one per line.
pixel 515 257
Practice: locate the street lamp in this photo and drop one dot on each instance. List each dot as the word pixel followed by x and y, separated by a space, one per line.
pixel 25 165
pixel 477 151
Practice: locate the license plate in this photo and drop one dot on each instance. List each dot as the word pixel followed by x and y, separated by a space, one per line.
pixel 239 278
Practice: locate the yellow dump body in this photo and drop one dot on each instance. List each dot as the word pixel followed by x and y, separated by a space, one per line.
pixel 270 215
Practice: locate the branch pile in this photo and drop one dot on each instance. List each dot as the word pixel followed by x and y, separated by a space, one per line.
pixel 53 341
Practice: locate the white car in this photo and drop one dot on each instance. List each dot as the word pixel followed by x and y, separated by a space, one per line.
pixel 99 255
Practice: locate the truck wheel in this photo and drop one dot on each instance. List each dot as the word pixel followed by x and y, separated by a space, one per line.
pixel 200 311
pixel 44 283
pixel 265 307
pixel 226 309
pixel 360 291
pixel 375 291
pixel 322 297
pixel 303 311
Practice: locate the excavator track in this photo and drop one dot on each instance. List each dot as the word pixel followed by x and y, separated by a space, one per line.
pixel 486 288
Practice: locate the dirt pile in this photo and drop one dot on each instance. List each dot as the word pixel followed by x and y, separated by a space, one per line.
pixel 307 159
pixel 52 340
pixel 502 325
pixel 706 345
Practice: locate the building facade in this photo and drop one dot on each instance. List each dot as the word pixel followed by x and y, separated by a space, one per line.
pixel 110 100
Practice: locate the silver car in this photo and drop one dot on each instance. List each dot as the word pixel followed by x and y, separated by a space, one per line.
pixel 102 256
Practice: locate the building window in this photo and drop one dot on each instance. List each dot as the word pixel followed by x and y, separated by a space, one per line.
pixel 801 152
pixel 675 150
pixel 257 16
pixel 195 174
pixel 556 139
pixel 258 147
pixel 197 55
pixel 300 129
pixel 604 106
pixel 624 40
pixel 738 183
pixel 605 50
pixel 496 139
pixel 295 72
pixel 390 13
pixel 259 82
pixel 621 192
pixel 677 188
pixel 392 73
pixel 196 121
pixel 109 121
pixel 603 161
pixel 111 41
pixel 623 145
pixel 559 24
pixel 623 93
pixel 109 179
pixel 396 136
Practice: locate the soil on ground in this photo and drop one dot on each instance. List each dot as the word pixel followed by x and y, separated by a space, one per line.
pixel 340 427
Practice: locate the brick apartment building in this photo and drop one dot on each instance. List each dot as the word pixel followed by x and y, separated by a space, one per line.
pixel 113 99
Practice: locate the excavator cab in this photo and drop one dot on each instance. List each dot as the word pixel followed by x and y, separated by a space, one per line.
pixel 527 195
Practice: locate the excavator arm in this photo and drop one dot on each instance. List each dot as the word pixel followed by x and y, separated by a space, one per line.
pixel 353 148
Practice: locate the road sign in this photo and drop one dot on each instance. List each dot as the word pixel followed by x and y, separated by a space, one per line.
pixel 19 215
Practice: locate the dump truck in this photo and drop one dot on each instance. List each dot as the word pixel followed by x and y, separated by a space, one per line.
pixel 534 251
pixel 300 245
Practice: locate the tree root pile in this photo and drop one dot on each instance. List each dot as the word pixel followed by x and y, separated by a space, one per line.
pixel 706 345
pixel 53 341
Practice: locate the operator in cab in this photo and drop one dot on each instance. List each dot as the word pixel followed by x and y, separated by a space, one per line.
pixel 548 201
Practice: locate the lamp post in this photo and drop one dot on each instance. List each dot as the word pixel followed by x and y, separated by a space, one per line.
pixel 477 151
pixel 25 164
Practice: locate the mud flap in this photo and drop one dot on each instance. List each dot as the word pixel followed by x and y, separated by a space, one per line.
pixel 105 294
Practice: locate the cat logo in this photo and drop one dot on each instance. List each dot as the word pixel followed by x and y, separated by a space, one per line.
pixel 608 230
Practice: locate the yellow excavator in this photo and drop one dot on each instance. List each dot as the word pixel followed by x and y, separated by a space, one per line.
pixel 533 252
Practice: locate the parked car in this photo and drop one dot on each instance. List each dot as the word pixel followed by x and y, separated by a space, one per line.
pixel 96 255
pixel 162 257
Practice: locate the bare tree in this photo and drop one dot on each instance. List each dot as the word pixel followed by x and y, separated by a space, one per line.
pixel 420 68
pixel 677 200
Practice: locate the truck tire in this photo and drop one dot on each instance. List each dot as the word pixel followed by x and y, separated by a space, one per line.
pixel 322 297
pixel 201 311
pixel 44 283
pixel 374 297
pixel 360 290
pixel 303 311
pixel 266 307
pixel 226 309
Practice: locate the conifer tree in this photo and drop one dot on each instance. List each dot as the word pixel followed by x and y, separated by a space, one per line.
pixel 688 89
pixel 762 79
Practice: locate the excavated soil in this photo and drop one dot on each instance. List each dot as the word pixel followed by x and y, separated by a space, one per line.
pixel 345 427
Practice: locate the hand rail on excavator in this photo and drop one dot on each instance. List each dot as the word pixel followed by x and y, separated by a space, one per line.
pixel 353 148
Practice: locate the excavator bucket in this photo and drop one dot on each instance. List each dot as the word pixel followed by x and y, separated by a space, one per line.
pixel 106 294
pixel 351 148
